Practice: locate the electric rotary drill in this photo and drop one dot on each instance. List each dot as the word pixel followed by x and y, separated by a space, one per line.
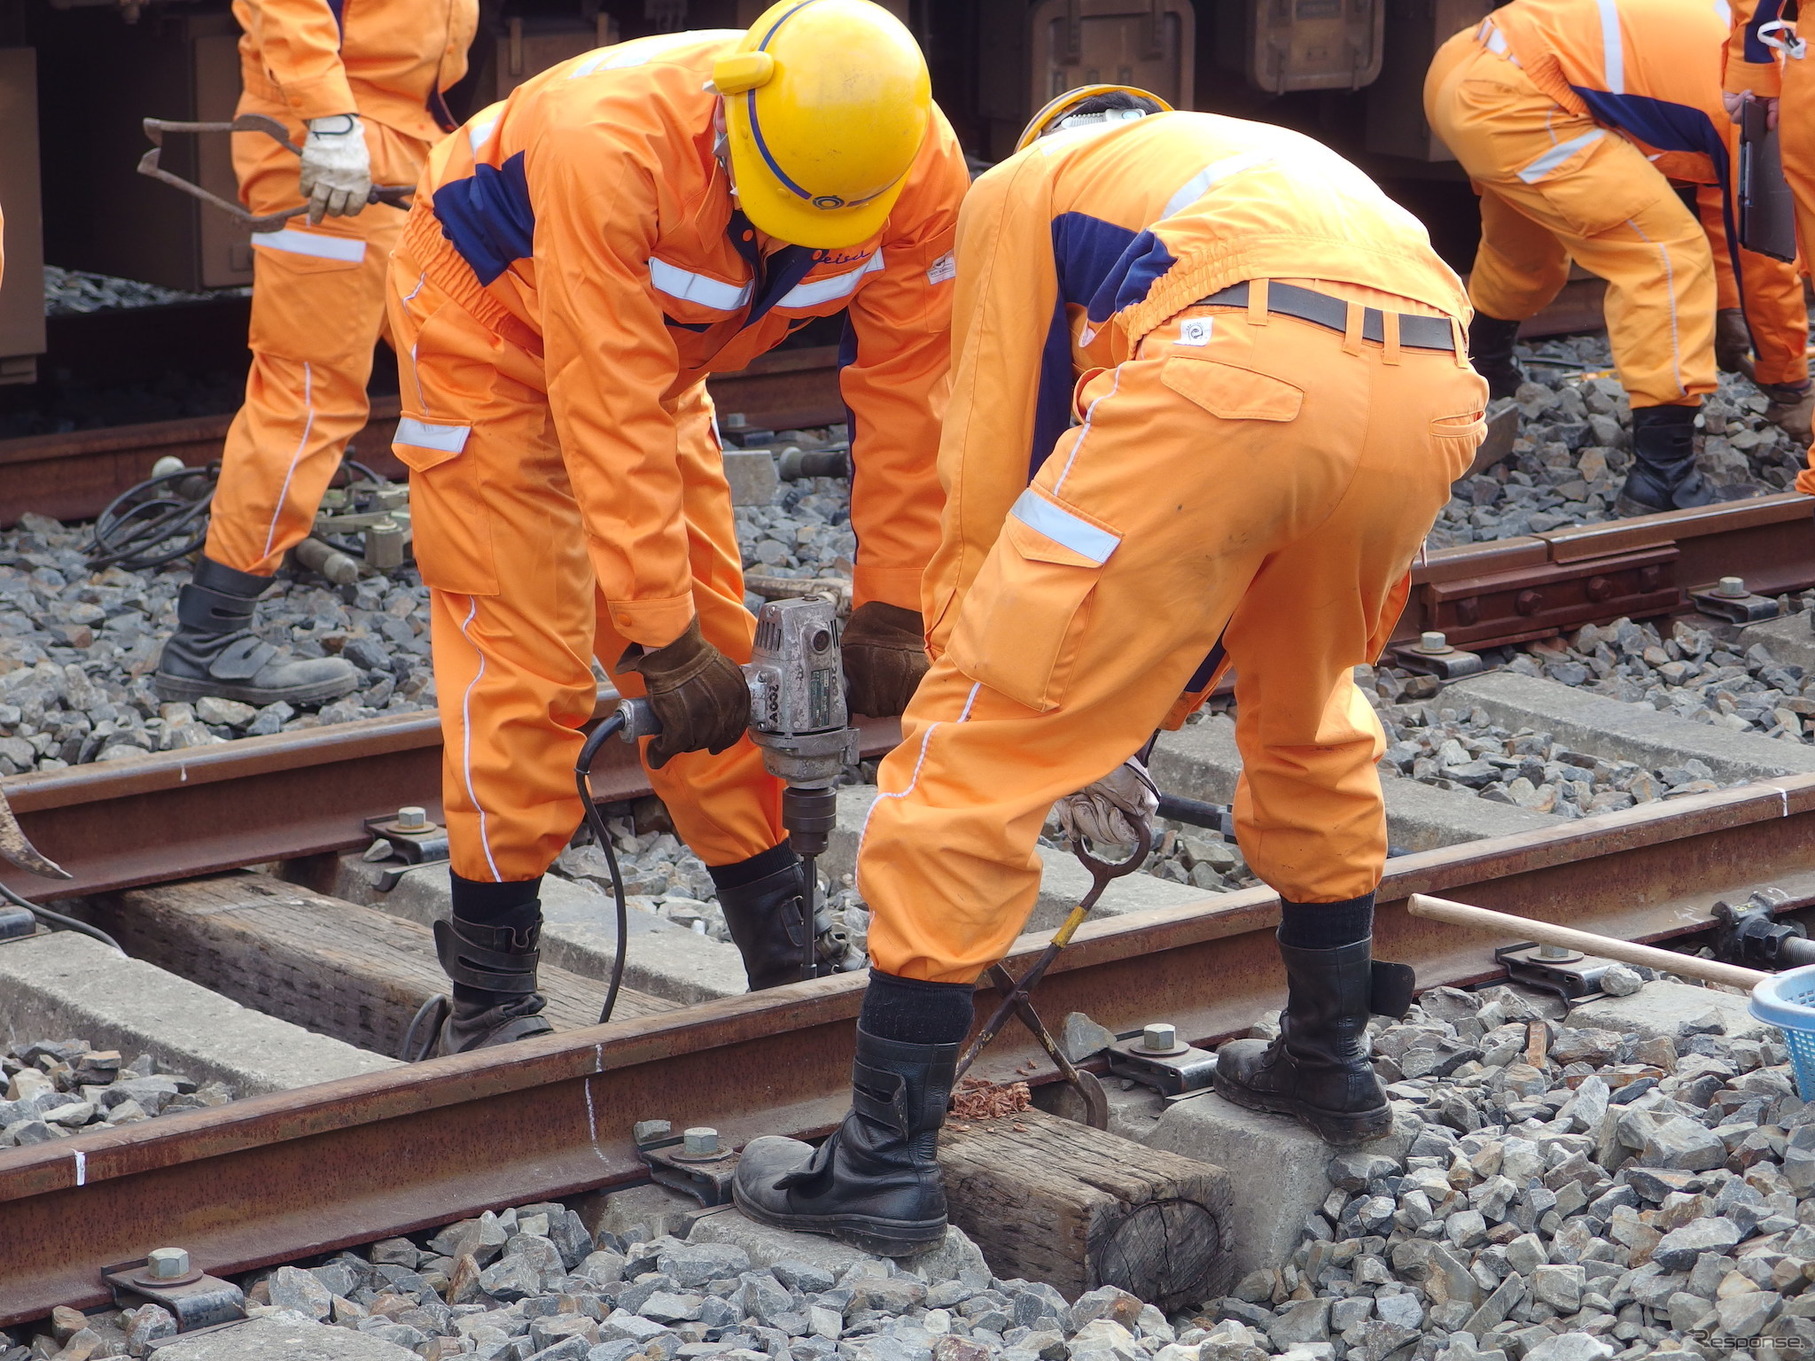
pixel 798 719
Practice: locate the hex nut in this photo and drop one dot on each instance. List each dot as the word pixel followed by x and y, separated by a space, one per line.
pixel 167 1264
pixel 1160 1038
pixel 701 1141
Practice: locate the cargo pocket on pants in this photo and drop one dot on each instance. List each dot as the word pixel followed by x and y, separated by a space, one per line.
pixel 450 524
pixel 1018 629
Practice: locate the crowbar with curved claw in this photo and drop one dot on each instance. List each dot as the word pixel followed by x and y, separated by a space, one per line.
pixel 395 195
pixel 15 847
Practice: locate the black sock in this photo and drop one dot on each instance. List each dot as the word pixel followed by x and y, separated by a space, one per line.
pixel 1326 926
pixel 514 904
pixel 759 866
pixel 915 1012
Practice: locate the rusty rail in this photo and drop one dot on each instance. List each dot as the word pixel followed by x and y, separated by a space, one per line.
pixel 73 476
pixel 179 814
pixel 280 1176
pixel 1539 585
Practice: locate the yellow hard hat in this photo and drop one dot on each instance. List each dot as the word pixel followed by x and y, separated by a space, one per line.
pixel 1056 110
pixel 826 104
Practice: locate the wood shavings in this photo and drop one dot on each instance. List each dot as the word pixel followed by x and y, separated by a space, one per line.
pixel 976 1099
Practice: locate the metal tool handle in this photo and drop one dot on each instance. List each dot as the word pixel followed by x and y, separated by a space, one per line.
pixel 1549 933
pixel 393 195
pixel 639 720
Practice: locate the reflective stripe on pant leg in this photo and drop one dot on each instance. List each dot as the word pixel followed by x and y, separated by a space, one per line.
pixel 726 808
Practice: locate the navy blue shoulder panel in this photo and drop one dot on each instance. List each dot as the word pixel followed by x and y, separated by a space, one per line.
pixel 1052 403
pixel 1085 250
pixel 1767 11
pixel 1666 126
pixel 488 217
pixel 1142 264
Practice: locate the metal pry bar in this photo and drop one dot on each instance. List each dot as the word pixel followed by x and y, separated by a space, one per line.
pixel 394 195
pixel 16 848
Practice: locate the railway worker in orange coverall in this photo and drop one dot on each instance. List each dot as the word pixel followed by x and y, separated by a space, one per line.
pixel 1263 367
pixel 1572 117
pixel 1768 60
pixel 579 257
pixel 359 86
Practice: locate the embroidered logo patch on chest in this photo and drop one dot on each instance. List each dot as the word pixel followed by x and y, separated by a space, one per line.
pixel 1194 331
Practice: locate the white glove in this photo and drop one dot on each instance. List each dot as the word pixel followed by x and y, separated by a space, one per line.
pixel 336 167
pixel 1110 811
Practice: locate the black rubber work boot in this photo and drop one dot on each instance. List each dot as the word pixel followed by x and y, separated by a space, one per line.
pixel 1318 1068
pixel 1664 475
pixel 763 899
pixel 1490 350
pixel 214 652
pixel 493 970
pixel 874 1183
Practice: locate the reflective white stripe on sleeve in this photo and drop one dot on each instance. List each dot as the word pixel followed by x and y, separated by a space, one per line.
pixel 819 291
pixel 1496 42
pixel 1199 184
pixel 482 127
pixel 690 287
pixel 1559 153
pixel 1613 49
pixel 323 247
pixel 1062 527
pixel 449 439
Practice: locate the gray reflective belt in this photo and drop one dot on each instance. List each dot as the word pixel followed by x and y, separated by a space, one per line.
pixel 1287 300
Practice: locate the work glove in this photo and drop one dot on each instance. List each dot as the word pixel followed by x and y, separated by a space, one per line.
pixel 1732 342
pixel 1110 811
pixel 697 692
pixel 336 167
pixel 884 658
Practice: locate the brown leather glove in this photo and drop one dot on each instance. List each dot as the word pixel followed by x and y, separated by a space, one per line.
pixel 1732 342
pixel 884 658
pixel 697 692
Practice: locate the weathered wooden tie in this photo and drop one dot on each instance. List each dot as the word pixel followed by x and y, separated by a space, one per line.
pixel 351 972
pixel 1051 1200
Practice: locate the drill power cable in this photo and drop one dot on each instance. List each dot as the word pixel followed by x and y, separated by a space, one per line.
pixel 57 919
pixel 602 834
pixel 160 520
pixel 165 517
pixel 419 1039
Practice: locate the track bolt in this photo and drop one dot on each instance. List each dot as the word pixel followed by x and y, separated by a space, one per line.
pixel 700 1142
pixel 1434 644
pixel 166 1264
pixel 412 819
pixel 1160 1038
pixel 1733 588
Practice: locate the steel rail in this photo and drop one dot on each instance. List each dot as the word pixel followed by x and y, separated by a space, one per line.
pixel 72 476
pixel 179 814
pixel 276 1177
pixel 1538 585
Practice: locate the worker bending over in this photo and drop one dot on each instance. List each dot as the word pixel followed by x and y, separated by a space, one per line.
pixel 1767 60
pixel 1271 399
pixel 359 87
pixel 1572 117
pixel 579 257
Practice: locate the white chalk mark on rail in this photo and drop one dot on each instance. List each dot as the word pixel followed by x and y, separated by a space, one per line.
pixel 81 1167
pixel 592 1116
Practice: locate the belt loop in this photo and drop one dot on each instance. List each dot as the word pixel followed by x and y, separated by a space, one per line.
pixel 1389 336
pixel 1351 331
pixel 1460 339
pixel 1257 302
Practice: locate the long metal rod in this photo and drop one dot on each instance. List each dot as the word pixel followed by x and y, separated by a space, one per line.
pixel 1507 926
pixel 275 1177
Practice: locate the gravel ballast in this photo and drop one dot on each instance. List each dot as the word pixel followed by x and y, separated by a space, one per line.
pixel 56 1088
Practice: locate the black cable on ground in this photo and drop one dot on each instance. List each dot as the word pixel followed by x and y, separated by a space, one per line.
pixel 49 918
pixel 602 834
pixel 156 522
pixel 417 1042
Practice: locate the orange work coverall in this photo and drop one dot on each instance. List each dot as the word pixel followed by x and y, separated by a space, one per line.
pixel 318 291
pixel 1572 117
pixel 1241 482
pixel 1786 74
pixel 573 268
